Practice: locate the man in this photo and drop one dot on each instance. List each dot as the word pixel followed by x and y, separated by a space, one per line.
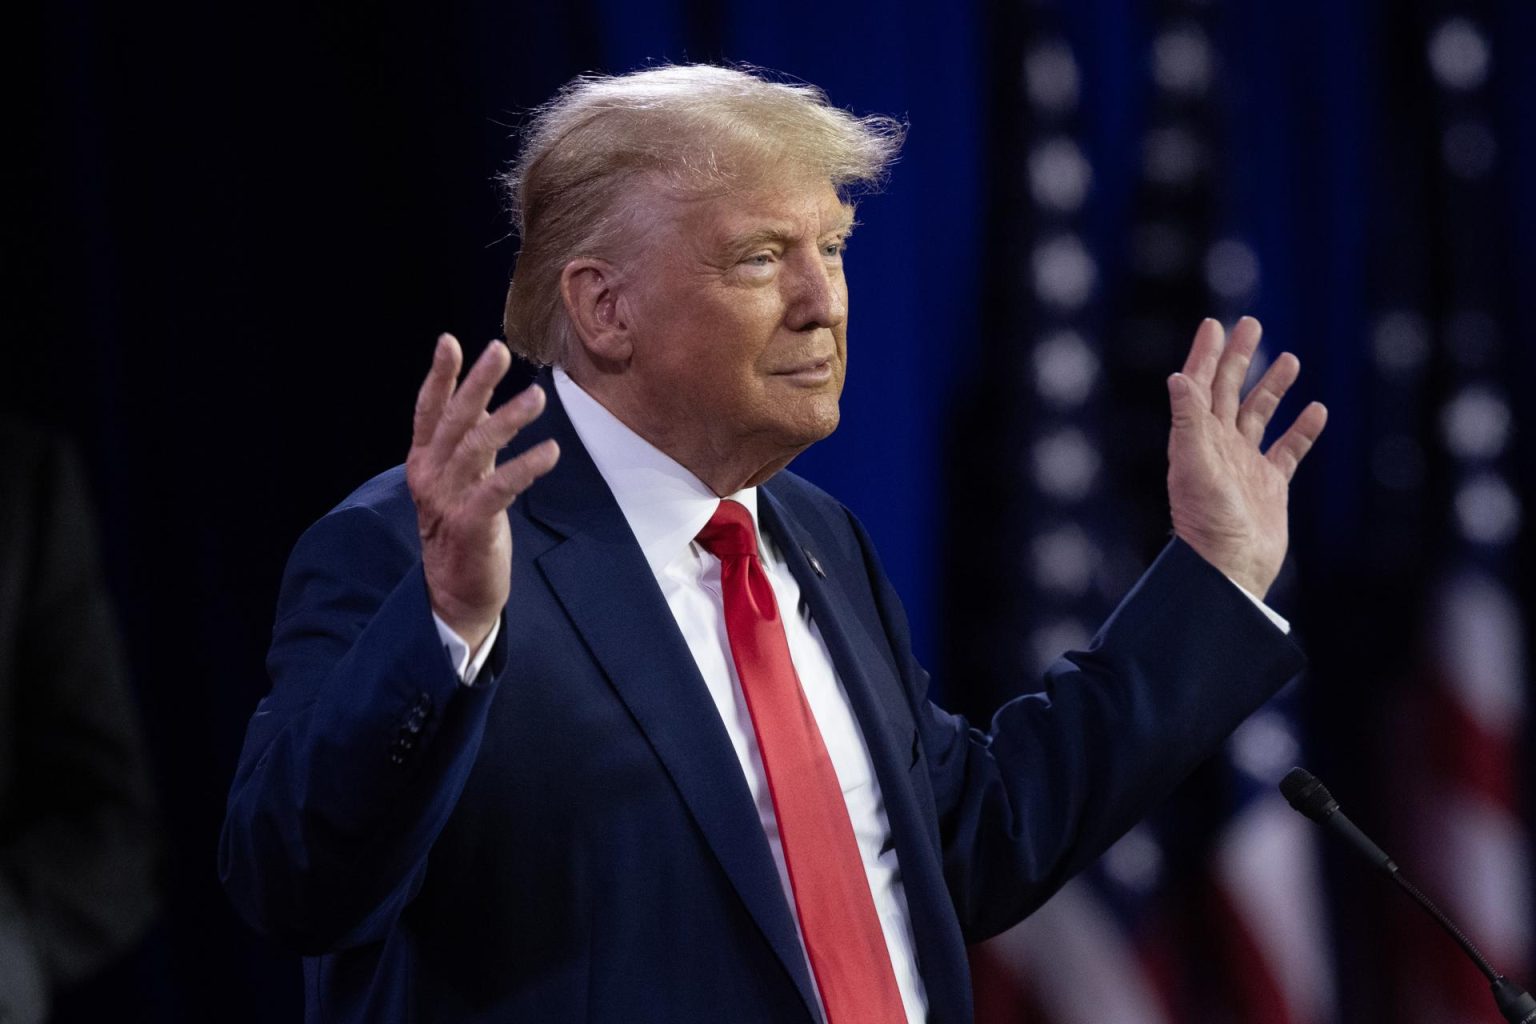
pixel 567 761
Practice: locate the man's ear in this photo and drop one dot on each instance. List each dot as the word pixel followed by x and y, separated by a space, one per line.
pixel 589 288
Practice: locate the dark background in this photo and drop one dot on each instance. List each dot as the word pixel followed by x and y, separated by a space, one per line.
pixel 233 231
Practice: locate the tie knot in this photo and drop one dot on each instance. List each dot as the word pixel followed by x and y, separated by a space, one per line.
pixel 729 532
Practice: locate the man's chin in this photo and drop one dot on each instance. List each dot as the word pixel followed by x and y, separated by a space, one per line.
pixel 796 437
pixel 821 418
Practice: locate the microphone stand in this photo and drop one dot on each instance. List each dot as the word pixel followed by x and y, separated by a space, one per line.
pixel 1310 797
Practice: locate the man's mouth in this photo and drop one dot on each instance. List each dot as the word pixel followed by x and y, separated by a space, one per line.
pixel 809 372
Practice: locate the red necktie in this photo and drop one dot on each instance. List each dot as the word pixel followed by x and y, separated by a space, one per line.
pixel 837 913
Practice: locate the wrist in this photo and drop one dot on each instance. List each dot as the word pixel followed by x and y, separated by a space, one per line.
pixel 1253 577
pixel 1256 587
pixel 470 625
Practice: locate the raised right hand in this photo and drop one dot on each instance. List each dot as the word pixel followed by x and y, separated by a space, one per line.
pixel 461 494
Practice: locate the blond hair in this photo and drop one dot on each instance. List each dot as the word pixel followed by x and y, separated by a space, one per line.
pixel 701 128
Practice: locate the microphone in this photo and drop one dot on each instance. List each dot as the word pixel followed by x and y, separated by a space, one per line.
pixel 1303 791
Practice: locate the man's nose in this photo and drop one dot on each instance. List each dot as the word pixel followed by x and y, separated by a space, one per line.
pixel 818 297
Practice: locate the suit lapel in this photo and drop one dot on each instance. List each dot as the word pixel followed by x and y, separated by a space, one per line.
pixel 605 585
pixel 851 647
pixel 886 719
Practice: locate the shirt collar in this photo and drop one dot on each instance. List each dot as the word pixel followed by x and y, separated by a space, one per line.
pixel 665 504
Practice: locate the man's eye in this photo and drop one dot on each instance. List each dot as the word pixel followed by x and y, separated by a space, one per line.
pixel 834 249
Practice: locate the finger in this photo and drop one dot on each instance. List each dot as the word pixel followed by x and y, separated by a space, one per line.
pixel 513 477
pixel 1232 368
pixel 467 405
pixel 1204 351
pixel 1188 405
pixel 1286 453
pixel 477 451
pixel 1260 405
pixel 436 389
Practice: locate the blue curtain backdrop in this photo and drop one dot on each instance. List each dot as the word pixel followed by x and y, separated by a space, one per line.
pixel 234 230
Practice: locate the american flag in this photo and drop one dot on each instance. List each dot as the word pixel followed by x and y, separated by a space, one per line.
pixel 1461 717
pixel 1212 909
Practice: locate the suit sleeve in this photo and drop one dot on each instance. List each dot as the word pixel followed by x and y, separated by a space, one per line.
pixel 355 760
pixel 1065 771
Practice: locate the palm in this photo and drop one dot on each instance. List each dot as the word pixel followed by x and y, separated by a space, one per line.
pixel 1229 498
pixel 460 491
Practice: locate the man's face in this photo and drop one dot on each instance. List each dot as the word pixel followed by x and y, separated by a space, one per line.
pixel 739 315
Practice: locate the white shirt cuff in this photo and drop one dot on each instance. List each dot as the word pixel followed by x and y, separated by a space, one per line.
pixel 1269 613
pixel 457 648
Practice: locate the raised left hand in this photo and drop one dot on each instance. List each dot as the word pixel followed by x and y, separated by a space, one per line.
pixel 1229 499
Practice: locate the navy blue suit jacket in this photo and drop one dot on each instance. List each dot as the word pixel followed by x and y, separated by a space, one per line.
pixel 571 838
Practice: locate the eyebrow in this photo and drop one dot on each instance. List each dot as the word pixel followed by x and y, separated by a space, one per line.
pixel 753 239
